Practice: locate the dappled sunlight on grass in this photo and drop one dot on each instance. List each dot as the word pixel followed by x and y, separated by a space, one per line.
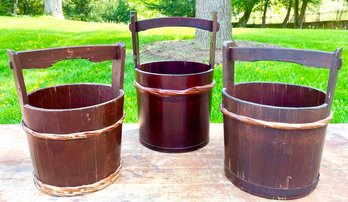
pixel 26 33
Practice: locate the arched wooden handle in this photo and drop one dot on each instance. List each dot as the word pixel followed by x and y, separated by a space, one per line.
pixel 311 58
pixel 138 26
pixel 143 25
pixel 45 58
pixel 307 58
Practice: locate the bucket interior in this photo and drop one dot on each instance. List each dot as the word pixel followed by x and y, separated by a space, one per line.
pixel 279 95
pixel 72 96
pixel 174 67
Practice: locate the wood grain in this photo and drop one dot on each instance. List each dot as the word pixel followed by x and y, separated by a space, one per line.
pixel 265 160
pixel 177 123
pixel 189 112
pixel 77 127
pixel 137 26
pixel 44 58
pixel 173 22
pixel 305 57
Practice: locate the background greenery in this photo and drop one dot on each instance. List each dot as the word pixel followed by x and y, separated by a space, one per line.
pixel 25 33
pixel 242 10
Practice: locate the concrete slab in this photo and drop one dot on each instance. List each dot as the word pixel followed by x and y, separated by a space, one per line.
pixel 149 175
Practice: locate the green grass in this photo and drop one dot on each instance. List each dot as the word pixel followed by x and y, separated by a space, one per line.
pixel 43 32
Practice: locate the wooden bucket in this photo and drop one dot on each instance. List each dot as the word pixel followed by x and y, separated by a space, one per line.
pixel 73 131
pixel 174 96
pixel 274 133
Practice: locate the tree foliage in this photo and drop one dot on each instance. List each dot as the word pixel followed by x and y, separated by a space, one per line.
pixel 97 10
pixel 118 10
pixel 6 7
pixel 78 9
pixel 300 7
pixel 172 7
pixel 245 6
pixel 297 7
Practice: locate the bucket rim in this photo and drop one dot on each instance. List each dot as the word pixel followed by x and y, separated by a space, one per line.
pixel 324 105
pixel 174 75
pixel 28 106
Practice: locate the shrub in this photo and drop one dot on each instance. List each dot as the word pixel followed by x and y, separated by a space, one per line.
pixel 77 9
pixel 97 11
pixel 173 8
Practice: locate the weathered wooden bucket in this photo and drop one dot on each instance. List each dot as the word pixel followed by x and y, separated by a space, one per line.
pixel 174 96
pixel 274 133
pixel 74 131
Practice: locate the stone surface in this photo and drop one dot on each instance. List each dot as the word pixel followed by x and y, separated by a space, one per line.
pixel 149 175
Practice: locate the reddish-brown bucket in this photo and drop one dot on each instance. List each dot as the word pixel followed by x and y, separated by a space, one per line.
pixel 274 133
pixel 73 131
pixel 174 96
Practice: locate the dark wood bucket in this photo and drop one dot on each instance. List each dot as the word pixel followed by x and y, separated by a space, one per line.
pixel 274 133
pixel 73 131
pixel 174 96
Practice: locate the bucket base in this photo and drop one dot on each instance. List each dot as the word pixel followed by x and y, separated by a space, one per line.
pixel 77 190
pixel 173 150
pixel 269 192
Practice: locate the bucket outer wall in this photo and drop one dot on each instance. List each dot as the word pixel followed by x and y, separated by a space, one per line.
pixel 175 123
pixel 69 163
pixel 272 163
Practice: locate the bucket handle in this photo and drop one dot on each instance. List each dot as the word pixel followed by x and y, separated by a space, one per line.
pixel 138 26
pixel 45 58
pixel 309 58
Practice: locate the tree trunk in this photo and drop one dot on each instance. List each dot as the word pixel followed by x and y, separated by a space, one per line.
pixel 54 8
pixel 264 13
pixel 15 5
pixel 286 19
pixel 204 9
pixel 296 14
pixel 303 12
pixel 245 18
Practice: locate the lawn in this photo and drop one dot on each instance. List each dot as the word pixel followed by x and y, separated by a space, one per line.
pixel 25 33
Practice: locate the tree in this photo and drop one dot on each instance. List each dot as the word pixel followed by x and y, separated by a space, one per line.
pixel 300 11
pixel 287 16
pixel 54 8
pixel 264 15
pixel 204 9
pixel 15 5
pixel 247 6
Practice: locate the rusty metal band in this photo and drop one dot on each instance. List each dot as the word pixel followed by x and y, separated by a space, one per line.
pixel 277 125
pixel 73 136
pixel 78 190
pixel 169 93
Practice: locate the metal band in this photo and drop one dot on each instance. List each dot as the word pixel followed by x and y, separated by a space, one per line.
pixel 78 190
pixel 277 125
pixel 73 136
pixel 169 93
